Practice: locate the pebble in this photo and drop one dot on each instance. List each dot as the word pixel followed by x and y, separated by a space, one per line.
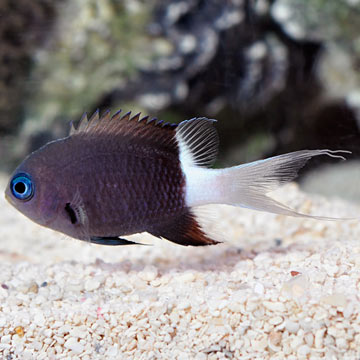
pixel 184 305
pixel 112 351
pixel 303 350
pixel 275 337
pixel 309 339
pixel 274 306
pixel 73 345
pixel 3 293
pixel 341 343
pixel 260 344
pixel 259 288
pixel 319 338
pixel 335 300
pixel 296 342
pixel 92 284
pixel 33 288
pixel 276 320
pixel 291 326
pixel 6 339
pixel 78 332
pixel 201 356
pixel 331 269
pixel 186 277
pixel 39 319
pixel 148 274
pixel 19 331
pixel 296 286
pixel 2 321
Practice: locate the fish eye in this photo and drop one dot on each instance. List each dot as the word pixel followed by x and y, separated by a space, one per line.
pixel 22 186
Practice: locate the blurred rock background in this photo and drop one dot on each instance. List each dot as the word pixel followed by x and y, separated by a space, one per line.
pixel 279 75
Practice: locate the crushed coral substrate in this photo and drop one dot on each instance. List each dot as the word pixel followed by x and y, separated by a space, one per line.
pixel 278 288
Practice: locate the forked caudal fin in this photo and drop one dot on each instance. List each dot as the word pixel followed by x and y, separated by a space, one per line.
pixel 247 185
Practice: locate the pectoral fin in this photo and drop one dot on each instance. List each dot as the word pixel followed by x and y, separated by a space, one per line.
pixel 112 241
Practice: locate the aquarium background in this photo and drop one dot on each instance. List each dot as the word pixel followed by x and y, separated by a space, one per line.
pixel 278 76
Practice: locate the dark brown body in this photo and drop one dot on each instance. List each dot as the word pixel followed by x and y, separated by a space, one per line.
pixel 125 188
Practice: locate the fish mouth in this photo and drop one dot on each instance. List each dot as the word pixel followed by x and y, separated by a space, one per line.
pixel 8 198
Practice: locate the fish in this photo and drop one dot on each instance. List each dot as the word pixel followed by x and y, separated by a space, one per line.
pixel 117 175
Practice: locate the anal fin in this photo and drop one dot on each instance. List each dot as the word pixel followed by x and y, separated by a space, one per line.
pixel 183 230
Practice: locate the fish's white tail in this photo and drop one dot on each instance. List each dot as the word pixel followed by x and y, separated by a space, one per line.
pixel 247 185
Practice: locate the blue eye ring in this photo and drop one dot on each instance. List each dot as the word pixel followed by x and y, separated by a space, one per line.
pixel 22 187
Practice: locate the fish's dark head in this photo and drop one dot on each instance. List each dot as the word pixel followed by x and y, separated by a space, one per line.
pixel 36 189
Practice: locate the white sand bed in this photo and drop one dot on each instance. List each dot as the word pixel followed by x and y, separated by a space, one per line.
pixel 278 288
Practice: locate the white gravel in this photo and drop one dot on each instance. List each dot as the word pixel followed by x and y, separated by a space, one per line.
pixel 278 288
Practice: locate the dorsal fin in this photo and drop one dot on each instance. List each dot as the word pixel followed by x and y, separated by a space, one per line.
pixel 198 142
pixel 80 126
pixel 125 125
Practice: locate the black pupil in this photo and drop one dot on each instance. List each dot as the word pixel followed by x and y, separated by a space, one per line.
pixel 20 187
